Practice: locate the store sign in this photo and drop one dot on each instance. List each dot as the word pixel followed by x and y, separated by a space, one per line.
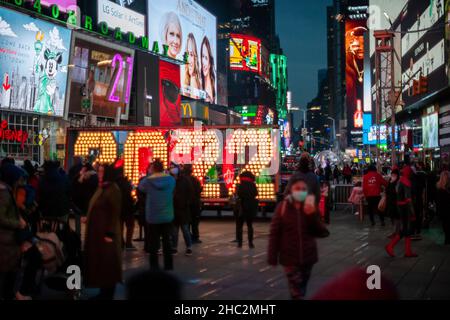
pixel 12 135
pixel 33 64
pixel 185 27
pixel 245 53
pixel 195 110
pixel 77 20
pixel 120 17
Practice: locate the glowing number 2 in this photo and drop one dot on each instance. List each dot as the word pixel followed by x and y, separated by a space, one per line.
pixel 117 59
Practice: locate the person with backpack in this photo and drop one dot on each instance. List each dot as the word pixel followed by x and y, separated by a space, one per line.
pixel 293 231
pixel 247 207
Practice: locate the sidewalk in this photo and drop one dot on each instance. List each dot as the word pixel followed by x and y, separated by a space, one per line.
pixel 219 270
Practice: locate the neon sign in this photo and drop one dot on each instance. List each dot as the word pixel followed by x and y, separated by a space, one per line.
pixel 118 61
pixel 12 135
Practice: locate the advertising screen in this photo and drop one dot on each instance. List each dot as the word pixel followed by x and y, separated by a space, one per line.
pixel 117 15
pixel 354 71
pixel 184 27
pixel 169 94
pixel 430 131
pixel 100 80
pixel 423 49
pixel 245 53
pixel 33 64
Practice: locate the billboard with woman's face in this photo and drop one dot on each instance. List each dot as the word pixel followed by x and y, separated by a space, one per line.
pixel 187 28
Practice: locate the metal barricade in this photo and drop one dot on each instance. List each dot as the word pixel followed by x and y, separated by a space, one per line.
pixel 340 194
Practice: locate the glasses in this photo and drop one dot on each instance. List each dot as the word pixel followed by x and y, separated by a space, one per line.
pixel 170 90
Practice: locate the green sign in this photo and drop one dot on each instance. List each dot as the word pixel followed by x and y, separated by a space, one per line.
pixel 247 111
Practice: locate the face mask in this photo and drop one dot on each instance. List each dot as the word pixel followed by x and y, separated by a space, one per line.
pixel 174 171
pixel 299 196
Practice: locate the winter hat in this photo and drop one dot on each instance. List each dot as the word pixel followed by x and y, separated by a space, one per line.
pixel 353 285
pixel 10 173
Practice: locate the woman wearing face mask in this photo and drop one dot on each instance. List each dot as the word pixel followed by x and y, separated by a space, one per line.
pixel 391 201
pixel 181 203
pixel 292 242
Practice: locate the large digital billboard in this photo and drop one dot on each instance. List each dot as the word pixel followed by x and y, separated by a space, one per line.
pixel 33 64
pixel 184 27
pixel 245 53
pixel 100 78
pixel 354 71
pixel 430 131
pixel 169 94
pixel 423 50
pixel 117 15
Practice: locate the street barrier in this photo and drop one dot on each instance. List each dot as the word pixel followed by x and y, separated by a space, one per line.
pixel 340 194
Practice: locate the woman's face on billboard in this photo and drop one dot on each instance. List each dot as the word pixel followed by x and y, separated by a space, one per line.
pixel 205 61
pixel 173 40
pixel 192 59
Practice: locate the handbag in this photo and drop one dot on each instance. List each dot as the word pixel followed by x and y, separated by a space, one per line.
pixel 382 204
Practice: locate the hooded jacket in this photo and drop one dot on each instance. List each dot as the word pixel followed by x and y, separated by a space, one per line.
pixel 158 189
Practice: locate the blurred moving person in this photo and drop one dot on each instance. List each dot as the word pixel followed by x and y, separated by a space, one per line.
pixel 406 213
pixel 103 239
pixel 391 201
pixel 195 205
pixel 128 207
pixel 293 230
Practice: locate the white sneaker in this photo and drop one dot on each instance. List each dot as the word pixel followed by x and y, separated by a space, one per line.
pixel 20 296
pixel 356 213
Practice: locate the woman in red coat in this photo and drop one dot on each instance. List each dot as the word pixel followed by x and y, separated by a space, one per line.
pixel 292 242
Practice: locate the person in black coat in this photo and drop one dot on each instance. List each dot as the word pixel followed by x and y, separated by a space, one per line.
pixel 391 201
pixel 128 206
pixel 53 192
pixel 195 207
pixel 182 198
pixel 305 173
pixel 247 206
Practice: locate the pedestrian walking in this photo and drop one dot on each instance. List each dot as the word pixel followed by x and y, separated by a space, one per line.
pixel 336 175
pixel 391 201
pixel 103 239
pixel 419 181
pixel 181 204
pixel 158 188
pixel 128 207
pixel 373 182
pixel 195 207
pixel 406 213
pixel 443 203
pixel 293 230
pixel 357 199
pixel 247 207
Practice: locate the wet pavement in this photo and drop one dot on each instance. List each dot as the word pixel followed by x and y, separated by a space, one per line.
pixel 219 270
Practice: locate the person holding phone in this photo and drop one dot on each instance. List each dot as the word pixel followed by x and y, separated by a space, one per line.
pixel 293 232
pixel 103 240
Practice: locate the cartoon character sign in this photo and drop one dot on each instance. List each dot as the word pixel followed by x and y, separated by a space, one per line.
pixel 33 63
pixel 47 83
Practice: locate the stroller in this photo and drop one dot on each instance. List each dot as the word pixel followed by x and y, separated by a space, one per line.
pixel 60 247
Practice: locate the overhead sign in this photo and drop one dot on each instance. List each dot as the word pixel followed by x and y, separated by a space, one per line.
pixel 12 135
pixel 120 17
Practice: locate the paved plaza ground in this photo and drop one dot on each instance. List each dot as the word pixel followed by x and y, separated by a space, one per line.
pixel 219 270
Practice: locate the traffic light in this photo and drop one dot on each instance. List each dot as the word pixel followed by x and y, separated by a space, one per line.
pixel 416 87
pixel 423 84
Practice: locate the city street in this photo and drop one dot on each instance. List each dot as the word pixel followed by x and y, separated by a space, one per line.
pixel 219 270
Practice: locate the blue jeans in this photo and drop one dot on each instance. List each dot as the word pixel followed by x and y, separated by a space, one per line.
pixel 186 235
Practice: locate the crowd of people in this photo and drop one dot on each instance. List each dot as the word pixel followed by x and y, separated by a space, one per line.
pixel 168 200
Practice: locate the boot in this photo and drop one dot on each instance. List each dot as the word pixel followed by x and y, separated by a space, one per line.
pixel 408 252
pixel 390 246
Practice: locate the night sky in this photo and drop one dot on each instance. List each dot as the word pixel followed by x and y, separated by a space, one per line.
pixel 302 28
